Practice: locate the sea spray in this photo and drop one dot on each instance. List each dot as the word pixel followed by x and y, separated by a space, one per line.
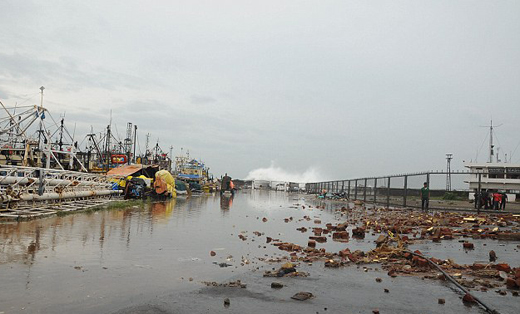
pixel 274 173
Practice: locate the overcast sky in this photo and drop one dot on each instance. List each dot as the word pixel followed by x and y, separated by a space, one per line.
pixel 338 89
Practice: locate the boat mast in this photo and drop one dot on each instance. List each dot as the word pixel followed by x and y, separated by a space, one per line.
pixel 135 143
pixel 491 142
pixel 108 153
pixel 40 130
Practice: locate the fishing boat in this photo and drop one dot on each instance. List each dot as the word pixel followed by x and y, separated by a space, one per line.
pixel 194 174
pixel 43 169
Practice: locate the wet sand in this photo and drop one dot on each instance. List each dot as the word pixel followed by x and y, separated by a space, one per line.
pixel 154 258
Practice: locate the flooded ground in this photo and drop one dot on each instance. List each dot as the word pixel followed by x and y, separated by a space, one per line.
pixel 154 258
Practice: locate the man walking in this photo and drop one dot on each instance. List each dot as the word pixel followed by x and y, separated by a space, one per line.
pixel 425 196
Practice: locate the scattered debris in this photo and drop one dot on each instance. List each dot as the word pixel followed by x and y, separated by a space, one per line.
pixel 276 285
pixel 358 233
pixel 394 230
pixel 302 296
pixel 287 270
pixel 231 284
pixel 468 245
pixel 468 298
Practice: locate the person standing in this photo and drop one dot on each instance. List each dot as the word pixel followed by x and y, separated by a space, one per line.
pixel 497 198
pixel 487 199
pixel 504 201
pixel 225 183
pixel 425 196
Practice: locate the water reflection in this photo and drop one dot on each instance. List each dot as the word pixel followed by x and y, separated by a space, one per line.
pixel 116 256
pixel 226 202
pixel 22 241
pixel 161 211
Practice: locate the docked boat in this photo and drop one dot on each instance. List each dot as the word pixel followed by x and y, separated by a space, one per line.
pixel 194 174
pixel 494 175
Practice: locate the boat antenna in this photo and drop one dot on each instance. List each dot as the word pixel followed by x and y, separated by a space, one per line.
pixel 74 133
pixel 147 144
pixel 491 146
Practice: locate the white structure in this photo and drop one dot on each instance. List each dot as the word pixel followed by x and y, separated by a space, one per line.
pixel 280 186
pixel 261 185
pixel 495 176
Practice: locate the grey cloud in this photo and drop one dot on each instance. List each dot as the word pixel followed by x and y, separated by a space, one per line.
pixel 202 100
pixel 65 71
pixel 3 95
pixel 352 88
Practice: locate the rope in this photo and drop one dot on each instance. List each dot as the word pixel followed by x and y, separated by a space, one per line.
pixel 455 282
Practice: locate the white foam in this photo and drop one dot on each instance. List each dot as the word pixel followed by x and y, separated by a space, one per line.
pixel 274 173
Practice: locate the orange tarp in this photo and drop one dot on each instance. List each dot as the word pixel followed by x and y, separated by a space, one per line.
pixel 124 171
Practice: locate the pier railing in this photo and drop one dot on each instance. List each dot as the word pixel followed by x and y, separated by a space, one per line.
pixel 448 190
pixel 31 191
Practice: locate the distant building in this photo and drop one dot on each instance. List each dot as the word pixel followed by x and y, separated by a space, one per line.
pixel 261 185
pixel 495 176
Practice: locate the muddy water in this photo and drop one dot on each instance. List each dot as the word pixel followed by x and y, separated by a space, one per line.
pixel 153 257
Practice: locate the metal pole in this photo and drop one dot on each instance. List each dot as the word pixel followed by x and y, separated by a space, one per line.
pixel 365 192
pixel 479 192
pixel 348 192
pixel 375 190
pixel 48 158
pixel 405 190
pixel 388 194
pixel 135 143
pixel 355 190
pixel 41 188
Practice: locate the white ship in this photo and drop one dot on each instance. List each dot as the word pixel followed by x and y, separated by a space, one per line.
pixel 494 174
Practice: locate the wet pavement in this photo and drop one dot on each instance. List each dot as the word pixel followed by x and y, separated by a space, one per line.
pixel 155 258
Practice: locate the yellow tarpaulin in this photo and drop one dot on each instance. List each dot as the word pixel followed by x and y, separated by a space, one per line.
pixel 164 182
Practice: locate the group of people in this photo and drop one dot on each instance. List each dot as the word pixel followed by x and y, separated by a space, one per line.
pixel 490 199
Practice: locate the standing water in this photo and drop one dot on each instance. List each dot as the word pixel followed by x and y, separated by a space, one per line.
pixel 155 258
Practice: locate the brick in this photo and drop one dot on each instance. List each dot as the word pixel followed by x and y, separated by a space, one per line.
pixel 503 267
pixel 468 245
pixel 468 298
pixel 510 283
